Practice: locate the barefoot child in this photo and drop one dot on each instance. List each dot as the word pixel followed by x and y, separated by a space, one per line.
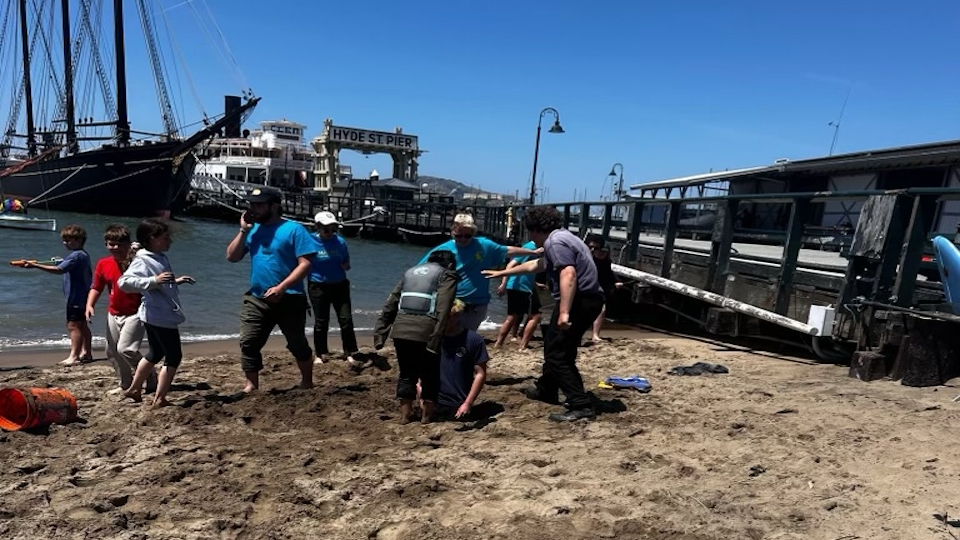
pixel 77 276
pixel 150 274
pixel 124 329
pixel 523 301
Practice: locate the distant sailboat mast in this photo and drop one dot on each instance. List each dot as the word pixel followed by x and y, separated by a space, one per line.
pixel 68 79
pixel 123 123
pixel 836 125
pixel 28 92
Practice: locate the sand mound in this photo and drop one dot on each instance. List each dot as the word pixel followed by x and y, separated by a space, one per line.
pixel 775 449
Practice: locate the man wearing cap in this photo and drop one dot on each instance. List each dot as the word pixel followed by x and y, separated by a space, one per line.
pixel 281 254
pixel 475 254
pixel 329 286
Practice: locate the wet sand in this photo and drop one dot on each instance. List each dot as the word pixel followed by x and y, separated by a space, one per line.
pixel 778 448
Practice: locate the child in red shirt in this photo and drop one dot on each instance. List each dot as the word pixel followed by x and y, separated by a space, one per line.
pixel 124 329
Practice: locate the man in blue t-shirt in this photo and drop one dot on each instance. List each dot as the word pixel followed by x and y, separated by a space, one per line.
pixel 281 254
pixel 576 288
pixel 522 301
pixel 329 286
pixel 463 367
pixel 474 255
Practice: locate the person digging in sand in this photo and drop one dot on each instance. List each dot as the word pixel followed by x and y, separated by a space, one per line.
pixel 151 275
pixel 415 316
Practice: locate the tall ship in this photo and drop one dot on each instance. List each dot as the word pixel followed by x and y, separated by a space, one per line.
pixel 53 157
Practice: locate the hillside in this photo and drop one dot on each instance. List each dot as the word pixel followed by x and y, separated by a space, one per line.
pixel 446 186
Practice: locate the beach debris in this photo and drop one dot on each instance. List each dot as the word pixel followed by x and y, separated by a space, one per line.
pixel 757 470
pixel 635 382
pixel 699 368
pixel 26 408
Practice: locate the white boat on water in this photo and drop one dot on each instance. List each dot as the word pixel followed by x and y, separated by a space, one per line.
pixel 19 221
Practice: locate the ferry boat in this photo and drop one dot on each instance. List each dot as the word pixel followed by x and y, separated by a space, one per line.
pixel 274 155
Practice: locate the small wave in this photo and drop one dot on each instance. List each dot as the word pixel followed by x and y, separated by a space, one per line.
pixel 488 325
pixel 63 342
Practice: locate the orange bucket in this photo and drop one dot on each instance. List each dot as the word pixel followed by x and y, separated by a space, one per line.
pixel 35 407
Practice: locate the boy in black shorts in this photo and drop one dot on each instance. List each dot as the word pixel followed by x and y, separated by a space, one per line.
pixel 522 301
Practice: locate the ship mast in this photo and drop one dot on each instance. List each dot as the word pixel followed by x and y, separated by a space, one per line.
pixel 68 78
pixel 28 93
pixel 123 124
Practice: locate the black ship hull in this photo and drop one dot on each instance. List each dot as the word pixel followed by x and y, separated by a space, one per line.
pixel 150 180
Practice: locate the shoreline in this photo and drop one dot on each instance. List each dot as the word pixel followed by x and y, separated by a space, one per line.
pixel 16 359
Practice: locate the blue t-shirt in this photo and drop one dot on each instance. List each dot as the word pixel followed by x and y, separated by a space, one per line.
pixel 274 250
pixel 77 277
pixel 459 354
pixel 523 282
pixel 481 254
pixel 328 264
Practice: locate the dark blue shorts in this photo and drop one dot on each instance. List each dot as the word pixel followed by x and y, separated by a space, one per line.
pixel 75 313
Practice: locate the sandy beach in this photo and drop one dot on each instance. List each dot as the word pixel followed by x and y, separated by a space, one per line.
pixel 778 448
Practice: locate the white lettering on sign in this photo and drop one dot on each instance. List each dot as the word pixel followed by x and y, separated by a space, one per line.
pixel 373 138
pixel 285 129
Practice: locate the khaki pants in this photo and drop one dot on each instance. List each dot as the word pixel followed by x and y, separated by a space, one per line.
pixel 124 335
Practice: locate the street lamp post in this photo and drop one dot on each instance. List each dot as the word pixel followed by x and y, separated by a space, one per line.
pixel 536 151
pixel 613 172
pixel 619 192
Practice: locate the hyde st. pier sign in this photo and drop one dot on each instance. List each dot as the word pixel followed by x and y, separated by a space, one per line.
pixel 382 140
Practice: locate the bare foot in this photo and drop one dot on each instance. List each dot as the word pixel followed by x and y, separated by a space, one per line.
pixel 318 360
pixel 161 403
pixel 86 358
pixel 513 339
pixel 249 389
pixel 597 339
pixel 135 395
pixel 306 385
pixel 71 361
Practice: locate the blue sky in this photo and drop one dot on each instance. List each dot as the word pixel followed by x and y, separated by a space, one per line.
pixel 666 88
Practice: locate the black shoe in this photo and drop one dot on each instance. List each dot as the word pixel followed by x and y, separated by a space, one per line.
pixel 574 414
pixel 534 393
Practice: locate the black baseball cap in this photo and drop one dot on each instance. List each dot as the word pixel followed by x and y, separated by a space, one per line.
pixel 264 195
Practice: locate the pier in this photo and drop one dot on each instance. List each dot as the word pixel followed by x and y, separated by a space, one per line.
pixel 831 255
pixel 422 219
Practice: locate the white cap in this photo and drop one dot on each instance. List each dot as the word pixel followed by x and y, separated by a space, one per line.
pixel 325 218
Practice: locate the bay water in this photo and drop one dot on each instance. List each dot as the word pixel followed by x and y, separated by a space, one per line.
pixel 32 313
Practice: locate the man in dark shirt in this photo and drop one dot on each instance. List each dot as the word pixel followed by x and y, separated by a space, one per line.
pixel 463 367
pixel 606 277
pixel 575 285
